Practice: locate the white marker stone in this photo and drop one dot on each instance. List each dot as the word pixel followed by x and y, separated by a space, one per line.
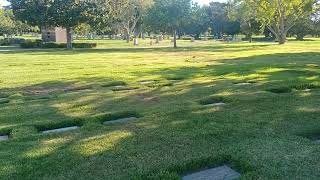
pixel 317 141
pixel 219 173
pixel 243 84
pixel 146 82
pixel 306 90
pixel 215 104
pixel 4 138
pixel 122 120
pixel 60 130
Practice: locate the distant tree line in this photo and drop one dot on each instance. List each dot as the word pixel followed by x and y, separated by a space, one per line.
pixel 134 18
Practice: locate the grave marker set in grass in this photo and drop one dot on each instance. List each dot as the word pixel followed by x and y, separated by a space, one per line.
pixel 4 100
pixel 4 137
pixel 219 173
pixel 60 130
pixel 120 117
pixel 213 101
pixel 59 127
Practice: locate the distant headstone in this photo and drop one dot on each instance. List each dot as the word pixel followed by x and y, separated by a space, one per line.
pixel 4 137
pixel 219 173
pixel 135 42
pixel 121 120
pixel 60 130
pixel 192 39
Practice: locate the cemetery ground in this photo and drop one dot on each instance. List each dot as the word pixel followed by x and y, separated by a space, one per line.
pixel 253 107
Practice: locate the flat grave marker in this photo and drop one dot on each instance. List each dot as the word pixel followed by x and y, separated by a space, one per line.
pixel 147 82
pixel 218 173
pixel 4 137
pixel 60 130
pixel 215 104
pixel 120 120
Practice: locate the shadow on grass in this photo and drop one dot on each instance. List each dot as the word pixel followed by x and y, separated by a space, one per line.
pixel 175 133
pixel 217 47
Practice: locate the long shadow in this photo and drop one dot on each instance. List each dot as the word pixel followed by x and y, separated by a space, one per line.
pixel 217 47
pixel 176 134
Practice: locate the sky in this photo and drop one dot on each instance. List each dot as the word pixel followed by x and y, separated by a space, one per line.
pixel 4 2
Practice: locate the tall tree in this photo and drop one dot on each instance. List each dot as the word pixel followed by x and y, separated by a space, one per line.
pixel 6 23
pixel 131 14
pixel 198 22
pixel 279 16
pixel 169 16
pixel 66 13
pixel 242 11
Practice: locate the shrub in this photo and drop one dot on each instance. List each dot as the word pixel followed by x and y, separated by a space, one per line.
pixel 187 38
pixel 31 44
pixel 64 45
pixel 84 45
pixel 11 41
pixel 54 45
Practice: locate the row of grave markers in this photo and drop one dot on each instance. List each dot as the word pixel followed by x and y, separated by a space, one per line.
pixel 218 173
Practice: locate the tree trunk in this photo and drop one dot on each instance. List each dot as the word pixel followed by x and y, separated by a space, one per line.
pixel 282 35
pixel 300 37
pixel 250 37
pixel 128 37
pixel 175 39
pixel 69 38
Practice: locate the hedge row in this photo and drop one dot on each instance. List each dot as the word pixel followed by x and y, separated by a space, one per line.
pixel 39 44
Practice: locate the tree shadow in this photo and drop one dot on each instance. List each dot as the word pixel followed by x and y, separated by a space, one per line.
pixel 176 134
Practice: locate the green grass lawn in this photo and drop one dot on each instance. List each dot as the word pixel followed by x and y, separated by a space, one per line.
pixel 264 131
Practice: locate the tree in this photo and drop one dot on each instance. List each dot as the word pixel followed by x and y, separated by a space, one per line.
pixel 302 28
pixel 198 21
pixel 242 11
pixel 279 16
pixel 169 16
pixel 69 14
pixel 131 14
pixel 6 23
pixel 66 13
pixel 220 22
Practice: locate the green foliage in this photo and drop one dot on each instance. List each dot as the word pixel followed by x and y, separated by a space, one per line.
pixel 6 22
pixel 168 15
pixel 279 16
pixel 31 44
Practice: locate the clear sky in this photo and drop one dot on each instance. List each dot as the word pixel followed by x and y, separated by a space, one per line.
pixel 4 2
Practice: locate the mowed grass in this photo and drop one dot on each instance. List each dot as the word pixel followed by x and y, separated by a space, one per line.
pixel 264 131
